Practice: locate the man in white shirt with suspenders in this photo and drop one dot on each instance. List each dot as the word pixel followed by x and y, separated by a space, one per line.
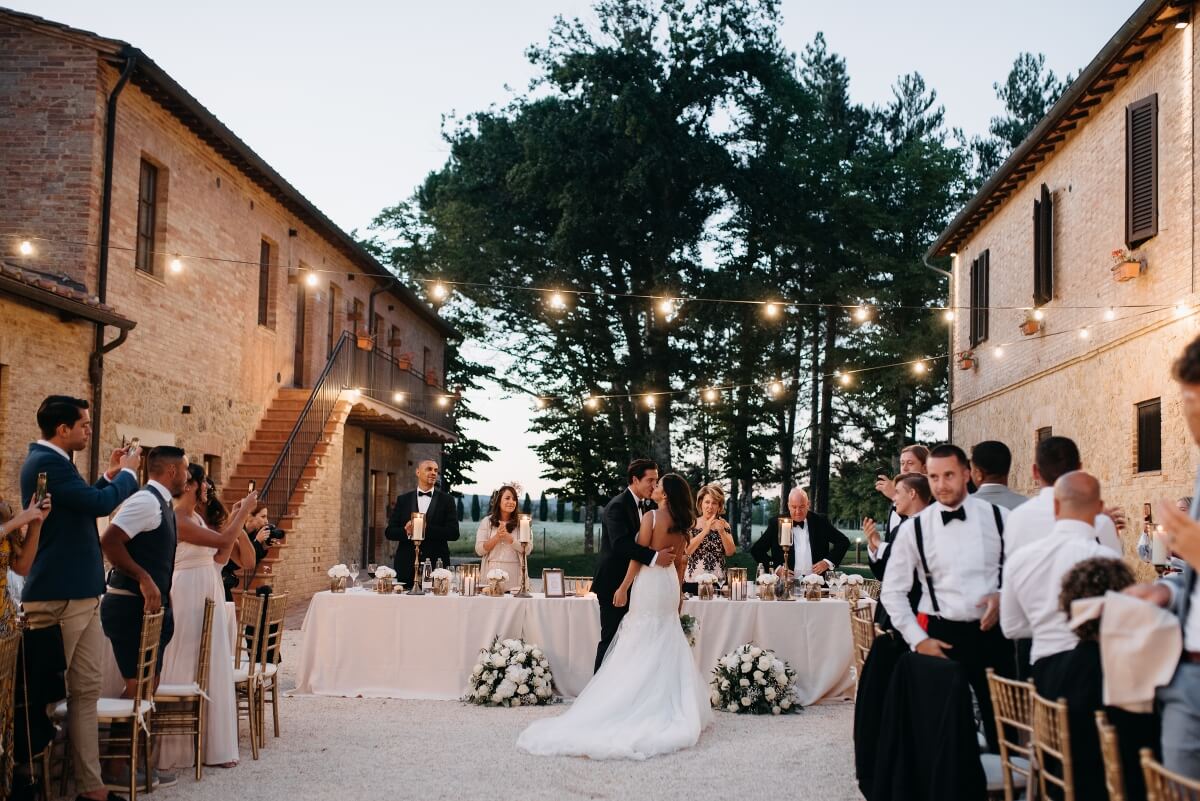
pixel 956 548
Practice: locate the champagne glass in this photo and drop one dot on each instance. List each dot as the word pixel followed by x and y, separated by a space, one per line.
pixel 354 571
pixel 371 566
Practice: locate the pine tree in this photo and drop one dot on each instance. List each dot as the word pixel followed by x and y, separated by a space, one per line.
pixel 475 508
pixel 543 508
pixel 559 509
pixel 461 509
pixel 527 505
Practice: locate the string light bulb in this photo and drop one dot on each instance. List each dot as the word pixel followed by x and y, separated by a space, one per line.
pixel 176 265
pixel 1084 333
pixel 862 314
pixel 311 278
pixel 710 395
pixel 354 393
pixel 439 291
pixel 775 388
pixel 998 351
pixel 948 315
pixel 398 397
pixel 845 378
pixel 1039 315
pixel 666 306
pixel 539 403
pixel 557 301
pixel 649 401
pixel 590 403
pixel 25 248
pixel 1110 313
pixel 443 401
pixel 919 368
pixel 771 310
pixel 1180 309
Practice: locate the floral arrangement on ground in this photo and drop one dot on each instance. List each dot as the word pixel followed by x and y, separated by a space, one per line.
pixel 511 673
pixel 753 680
pixel 690 626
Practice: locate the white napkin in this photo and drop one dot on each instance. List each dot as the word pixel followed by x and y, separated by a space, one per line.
pixel 1140 644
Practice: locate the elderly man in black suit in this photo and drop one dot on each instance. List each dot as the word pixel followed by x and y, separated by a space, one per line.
pixel 817 545
pixel 618 546
pixel 441 522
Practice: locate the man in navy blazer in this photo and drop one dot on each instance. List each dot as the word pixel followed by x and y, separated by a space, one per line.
pixel 67 578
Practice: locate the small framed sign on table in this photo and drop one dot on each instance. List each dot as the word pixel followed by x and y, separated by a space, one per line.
pixel 552 583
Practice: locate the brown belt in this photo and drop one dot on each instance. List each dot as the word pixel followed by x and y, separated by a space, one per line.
pixel 1191 656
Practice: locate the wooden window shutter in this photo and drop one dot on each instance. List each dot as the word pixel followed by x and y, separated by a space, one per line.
pixel 979 299
pixel 1149 436
pixel 1141 170
pixel 1043 248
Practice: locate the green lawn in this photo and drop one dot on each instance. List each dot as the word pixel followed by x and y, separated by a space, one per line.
pixel 560 545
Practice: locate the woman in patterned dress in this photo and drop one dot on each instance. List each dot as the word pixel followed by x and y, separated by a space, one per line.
pixel 711 538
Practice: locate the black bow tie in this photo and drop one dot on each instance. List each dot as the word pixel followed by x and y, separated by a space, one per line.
pixel 958 514
pixel 644 505
pixel 424 494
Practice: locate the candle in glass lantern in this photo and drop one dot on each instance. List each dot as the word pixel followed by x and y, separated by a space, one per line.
pixel 526 529
pixel 418 527
pixel 785 531
pixel 1158 547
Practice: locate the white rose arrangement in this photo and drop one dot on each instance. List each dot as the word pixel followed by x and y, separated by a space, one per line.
pixel 705 578
pixel 511 673
pixel 766 579
pixel 497 573
pixel 384 572
pixel 854 578
pixel 813 578
pixel 753 680
pixel 440 573
pixel 339 571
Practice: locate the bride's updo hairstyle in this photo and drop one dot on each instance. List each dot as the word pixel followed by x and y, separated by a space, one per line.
pixel 681 506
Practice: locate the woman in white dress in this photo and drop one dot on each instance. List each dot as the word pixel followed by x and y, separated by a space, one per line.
pixel 200 554
pixel 648 698
pixel 496 539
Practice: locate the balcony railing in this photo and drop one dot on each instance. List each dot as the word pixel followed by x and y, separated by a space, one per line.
pixel 385 380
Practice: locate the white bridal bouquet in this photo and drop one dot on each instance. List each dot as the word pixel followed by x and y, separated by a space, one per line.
pixel 497 573
pixel 384 572
pixel 511 673
pixel 689 624
pixel 339 571
pixel 753 680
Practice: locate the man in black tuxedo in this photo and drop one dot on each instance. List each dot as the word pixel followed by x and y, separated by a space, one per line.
pixel 618 546
pixel 441 522
pixel 817 545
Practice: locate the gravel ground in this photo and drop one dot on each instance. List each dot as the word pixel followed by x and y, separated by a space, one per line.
pixel 431 750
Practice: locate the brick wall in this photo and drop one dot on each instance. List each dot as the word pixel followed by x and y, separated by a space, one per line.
pixel 1087 389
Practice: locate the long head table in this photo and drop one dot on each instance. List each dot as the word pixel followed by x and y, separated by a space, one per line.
pixel 359 643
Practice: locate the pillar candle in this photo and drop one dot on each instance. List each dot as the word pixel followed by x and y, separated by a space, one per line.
pixel 785 531
pixel 526 534
pixel 418 527
pixel 1158 547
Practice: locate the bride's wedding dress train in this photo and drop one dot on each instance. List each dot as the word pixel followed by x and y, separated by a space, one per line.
pixel 648 698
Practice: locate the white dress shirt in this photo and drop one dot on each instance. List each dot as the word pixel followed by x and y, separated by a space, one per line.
pixel 964 561
pixel 423 501
pixel 141 512
pixel 802 550
pixel 1034 520
pixel 1032 583
pixel 893 522
pixel 637 502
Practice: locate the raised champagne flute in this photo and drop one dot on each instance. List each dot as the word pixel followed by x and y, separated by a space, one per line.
pixel 354 571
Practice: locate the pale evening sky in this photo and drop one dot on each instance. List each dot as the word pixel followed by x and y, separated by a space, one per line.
pixel 346 99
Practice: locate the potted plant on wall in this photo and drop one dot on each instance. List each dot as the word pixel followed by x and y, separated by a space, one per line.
pixel 404 361
pixel 966 359
pixel 1032 323
pixel 366 340
pixel 431 377
pixel 1125 265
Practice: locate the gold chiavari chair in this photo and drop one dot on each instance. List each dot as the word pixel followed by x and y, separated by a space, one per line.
pixel 180 708
pixel 245 679
pixel 871 588
pixel 1165 785
pixel 862 630
pixel 1052 745
pixel 1114 778
pixel 1012 707
pixel 8 676
pixel 132 715
pixel 268 663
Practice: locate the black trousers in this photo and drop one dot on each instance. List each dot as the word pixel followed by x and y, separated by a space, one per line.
pixel 977 650
pixel 610 620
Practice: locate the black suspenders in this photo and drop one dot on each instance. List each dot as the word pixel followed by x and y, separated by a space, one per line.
pixel 925 562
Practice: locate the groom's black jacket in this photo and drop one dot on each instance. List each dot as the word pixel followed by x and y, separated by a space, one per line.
pixel 618 545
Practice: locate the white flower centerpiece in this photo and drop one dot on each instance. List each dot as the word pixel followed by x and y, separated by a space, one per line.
pixel 497 577
pixel 812 586
pixel 511 673
pixel 753 680
pixel 766 586
pixel 385 578
pixel 441 581
pixel 704 586
pixel 854 588
pixel 338 575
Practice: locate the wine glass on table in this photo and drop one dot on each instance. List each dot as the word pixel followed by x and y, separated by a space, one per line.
pixel 354 571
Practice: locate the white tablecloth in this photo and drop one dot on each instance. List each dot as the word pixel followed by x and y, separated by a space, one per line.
pixel 359 643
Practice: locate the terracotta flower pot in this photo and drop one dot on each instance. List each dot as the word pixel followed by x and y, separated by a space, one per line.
pixel 1126 271
pixel 966 363
pixel 405 361
pixel 365 341
pixel 1030 327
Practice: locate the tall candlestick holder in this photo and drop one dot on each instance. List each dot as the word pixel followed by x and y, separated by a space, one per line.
pixel 784 593
pixel 524 538
pixel 417 537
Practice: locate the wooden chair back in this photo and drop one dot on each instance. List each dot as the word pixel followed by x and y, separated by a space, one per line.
pixel 1114 778
pixel 147 662
pixel 1012 706
pixel 272 630
pixel 1164 785
pixel 204 656
pixel 862 629
pixel 249 633
pixel 1052 745
pixel 871 588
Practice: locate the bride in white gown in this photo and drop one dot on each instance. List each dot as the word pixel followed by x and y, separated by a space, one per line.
pixel 648 698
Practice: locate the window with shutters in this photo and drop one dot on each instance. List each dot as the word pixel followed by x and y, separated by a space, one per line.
pixel 1149 435
pixel 1141 170
pixel 1043 248
pixel 979 298
pixel 1044 433
pixel 266 254
pixel 147 217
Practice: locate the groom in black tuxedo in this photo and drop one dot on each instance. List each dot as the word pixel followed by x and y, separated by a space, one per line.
pixel 618 546
pixel 441 522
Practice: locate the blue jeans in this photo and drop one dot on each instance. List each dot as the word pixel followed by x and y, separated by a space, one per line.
pixel 1181 721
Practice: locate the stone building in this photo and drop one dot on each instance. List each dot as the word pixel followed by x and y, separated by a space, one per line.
pixel 153 263
pixel 1052 334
